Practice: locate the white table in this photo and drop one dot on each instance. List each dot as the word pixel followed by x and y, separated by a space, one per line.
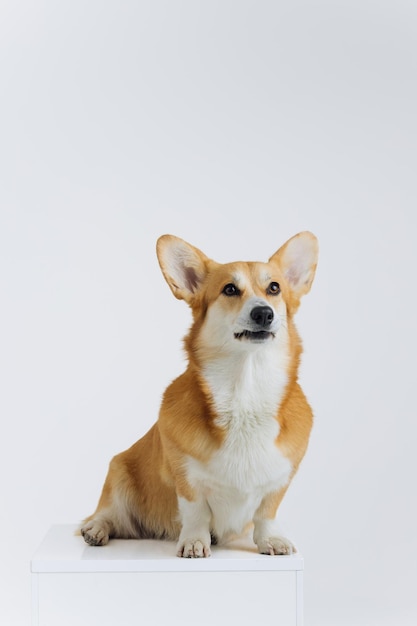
pixel 143 582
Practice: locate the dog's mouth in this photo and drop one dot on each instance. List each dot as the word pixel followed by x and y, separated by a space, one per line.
pixel 256 336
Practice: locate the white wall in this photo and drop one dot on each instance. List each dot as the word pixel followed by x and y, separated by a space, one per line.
pixel 233 125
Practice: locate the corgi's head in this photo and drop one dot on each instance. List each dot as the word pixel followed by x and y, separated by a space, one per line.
pixel 242 303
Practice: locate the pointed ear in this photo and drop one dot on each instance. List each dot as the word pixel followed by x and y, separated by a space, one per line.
pixel 298 261
pixel 183 266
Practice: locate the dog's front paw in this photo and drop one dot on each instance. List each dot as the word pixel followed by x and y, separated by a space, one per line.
pixel 193 548
pixel 95 533
pixel 276 545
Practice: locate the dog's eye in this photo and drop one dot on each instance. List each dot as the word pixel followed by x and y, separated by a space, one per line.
pixel 231 290
pixel 273 289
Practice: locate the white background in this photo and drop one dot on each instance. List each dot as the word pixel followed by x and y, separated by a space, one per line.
pixel 234 125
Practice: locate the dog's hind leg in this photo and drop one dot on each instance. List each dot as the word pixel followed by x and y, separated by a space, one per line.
pixel 97 531
pixel 114 520
pixel 113 516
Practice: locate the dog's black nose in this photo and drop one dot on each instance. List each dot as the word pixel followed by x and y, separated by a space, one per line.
pixel 262 316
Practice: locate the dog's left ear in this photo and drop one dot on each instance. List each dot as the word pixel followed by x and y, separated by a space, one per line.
pixel 298 261
pixel 183 266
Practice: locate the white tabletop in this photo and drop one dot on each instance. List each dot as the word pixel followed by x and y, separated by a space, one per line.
pixel 64 551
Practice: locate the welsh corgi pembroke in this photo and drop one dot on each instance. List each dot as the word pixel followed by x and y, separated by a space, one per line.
pixel 235 425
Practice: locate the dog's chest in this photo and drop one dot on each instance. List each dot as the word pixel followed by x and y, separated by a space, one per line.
pixel 247 467
pixel 249 459
pixel 249 464
pixel 247 389
pixel 246 397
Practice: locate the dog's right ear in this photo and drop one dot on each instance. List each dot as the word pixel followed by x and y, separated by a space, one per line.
pixel 183 266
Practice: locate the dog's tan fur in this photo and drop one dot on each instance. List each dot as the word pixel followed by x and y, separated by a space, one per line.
pixel 185 479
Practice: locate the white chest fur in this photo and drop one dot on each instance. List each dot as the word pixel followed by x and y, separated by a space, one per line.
pixel 249 465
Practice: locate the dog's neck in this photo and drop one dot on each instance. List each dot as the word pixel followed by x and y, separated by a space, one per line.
pixel 247 386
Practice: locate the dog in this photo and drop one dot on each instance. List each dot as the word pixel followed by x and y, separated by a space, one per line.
pixel 234 427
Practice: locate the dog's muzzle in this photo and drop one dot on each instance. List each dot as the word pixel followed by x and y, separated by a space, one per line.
pixel 261 319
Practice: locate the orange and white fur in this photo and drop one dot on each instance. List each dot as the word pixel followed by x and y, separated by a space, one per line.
pixel 234 426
